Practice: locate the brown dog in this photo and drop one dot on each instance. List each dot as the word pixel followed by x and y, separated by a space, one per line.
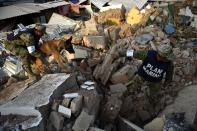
pixel 53 47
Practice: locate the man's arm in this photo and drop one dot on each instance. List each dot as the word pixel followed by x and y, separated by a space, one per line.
pixel 29 41
pixel 140 54
pixel 169 73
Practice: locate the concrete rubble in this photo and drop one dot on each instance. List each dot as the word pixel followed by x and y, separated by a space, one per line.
pixel 92 97
pixel 33 100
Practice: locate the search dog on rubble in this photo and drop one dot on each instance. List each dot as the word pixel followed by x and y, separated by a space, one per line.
pixel 54 47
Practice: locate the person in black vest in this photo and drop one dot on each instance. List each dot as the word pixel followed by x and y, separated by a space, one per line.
pixel 151 72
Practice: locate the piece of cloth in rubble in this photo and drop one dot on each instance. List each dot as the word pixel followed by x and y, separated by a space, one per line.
pixel 151 69
pixel 176 122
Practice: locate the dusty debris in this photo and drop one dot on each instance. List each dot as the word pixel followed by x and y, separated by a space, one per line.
pixel 145 38
pixel 135 16
pixel 101 46
pixel 112 33
pixel 112 16
pixel 91 27
pixel 96 42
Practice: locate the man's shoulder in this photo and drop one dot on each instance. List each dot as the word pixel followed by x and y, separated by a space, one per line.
pixel 151 53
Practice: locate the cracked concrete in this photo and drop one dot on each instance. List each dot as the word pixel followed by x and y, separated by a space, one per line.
pixel 185 102
pixel 33 100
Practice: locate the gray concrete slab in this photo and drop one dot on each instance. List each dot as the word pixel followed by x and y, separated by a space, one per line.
pixel 186 101
pixel 35 97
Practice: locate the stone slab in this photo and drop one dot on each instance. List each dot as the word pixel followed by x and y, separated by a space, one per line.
pixel 185 102
pixel 65 111
pixel 34 98
pixel 83 122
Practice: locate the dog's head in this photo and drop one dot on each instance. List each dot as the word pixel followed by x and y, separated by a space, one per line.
pixel 68 45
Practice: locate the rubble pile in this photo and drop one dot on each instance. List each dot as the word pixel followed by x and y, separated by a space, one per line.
pixel 114 70
pixel 103 71
pixel 78 108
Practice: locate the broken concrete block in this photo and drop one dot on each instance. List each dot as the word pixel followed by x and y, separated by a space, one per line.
pixel 99 4
pixel 89 83
pixel 66 102
pixel 57 120
pixel 71 95
pixel 185 54
pixel 161 34
pixel 112 33
pixel 68 55
pixel 64 24
pixel 92 102
pixel 155 125
pixel 77 39
pixel 127 30
pixel 50 127
pixel 84 86
pixel 80 52
pixel 91 88
pixel 91 27
pixel 144 39
pixel 76 104
pixel 55 105
pixel 118 89
pixel 95 129
pixel 112 16
pixel 121 76
pixel 83 122
pixel 65 111
pixel 96 42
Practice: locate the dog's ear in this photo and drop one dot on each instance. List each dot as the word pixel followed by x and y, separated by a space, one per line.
pixel 69 41
pixel 69 46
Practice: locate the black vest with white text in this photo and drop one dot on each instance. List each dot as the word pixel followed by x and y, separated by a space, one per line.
pixel 151 69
